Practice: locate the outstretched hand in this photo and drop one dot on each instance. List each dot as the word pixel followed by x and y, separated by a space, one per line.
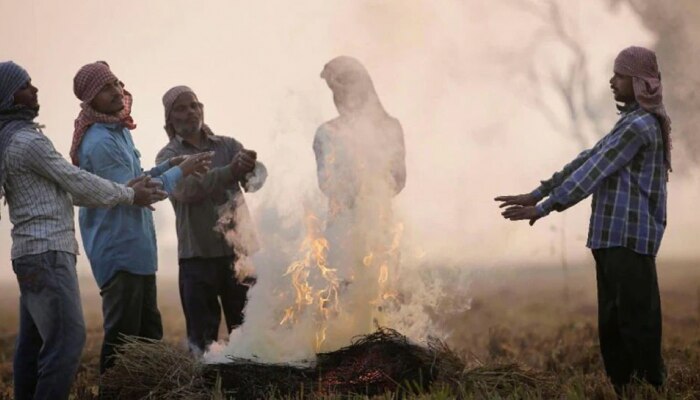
pixel 524 200
pixel 243 162
pixel 517 213
pixel 146 191
pixel 196 164
pixel 177 160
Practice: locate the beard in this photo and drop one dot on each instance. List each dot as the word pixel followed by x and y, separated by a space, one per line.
pixel 188 129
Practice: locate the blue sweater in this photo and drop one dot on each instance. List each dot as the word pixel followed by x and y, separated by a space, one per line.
pixel 121 238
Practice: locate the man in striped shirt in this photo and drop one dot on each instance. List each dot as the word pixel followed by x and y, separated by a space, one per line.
pixel 626 172
pixel 41 187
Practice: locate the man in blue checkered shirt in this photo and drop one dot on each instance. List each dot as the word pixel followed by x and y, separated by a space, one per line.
pixel 626 172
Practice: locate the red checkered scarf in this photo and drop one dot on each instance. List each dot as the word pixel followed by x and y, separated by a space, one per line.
pixel 87 83
pixel 641 65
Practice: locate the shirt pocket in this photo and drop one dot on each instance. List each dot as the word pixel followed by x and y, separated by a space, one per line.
pixel 34 271
pixel 138 170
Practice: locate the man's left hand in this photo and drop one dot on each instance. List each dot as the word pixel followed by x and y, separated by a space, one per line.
pixel 517 213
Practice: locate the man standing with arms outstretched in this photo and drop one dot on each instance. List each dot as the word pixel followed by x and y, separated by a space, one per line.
pixel 626 172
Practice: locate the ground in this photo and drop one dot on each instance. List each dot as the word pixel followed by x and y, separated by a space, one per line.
pixel 542 318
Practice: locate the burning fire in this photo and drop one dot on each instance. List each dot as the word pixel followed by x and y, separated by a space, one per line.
pixel 346 272
pixel 323 300
pixel 317 287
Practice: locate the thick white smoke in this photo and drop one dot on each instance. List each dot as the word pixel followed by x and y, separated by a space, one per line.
pixel 345 276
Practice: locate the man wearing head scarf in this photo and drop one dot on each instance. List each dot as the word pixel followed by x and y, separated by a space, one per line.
pixel 360 160
pixel 206 258
pixel 41 187
pixel 120 242
pixel 626 172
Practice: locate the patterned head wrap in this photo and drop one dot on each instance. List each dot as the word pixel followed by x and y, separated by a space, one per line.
pixel 169 99
pixel 641 65
pixel 12 117
pixel 88 82
pixel 12 77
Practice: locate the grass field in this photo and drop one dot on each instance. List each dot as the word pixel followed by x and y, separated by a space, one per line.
pixel 542 319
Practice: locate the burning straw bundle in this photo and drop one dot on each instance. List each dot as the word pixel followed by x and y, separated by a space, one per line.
pixel 384 361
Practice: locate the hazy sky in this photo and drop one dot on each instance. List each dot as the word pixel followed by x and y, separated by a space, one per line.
pixel 448 70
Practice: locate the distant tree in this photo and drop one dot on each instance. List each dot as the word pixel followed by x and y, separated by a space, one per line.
pixel 560 89
pixel 570 83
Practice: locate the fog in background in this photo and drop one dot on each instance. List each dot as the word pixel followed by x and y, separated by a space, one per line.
pixel 492 97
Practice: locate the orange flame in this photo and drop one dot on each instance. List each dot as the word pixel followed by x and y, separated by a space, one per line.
pixel 315 250
pixel 367 260
pixel 388 256
pixel 316 285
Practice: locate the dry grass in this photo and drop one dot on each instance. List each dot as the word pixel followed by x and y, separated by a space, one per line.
pixel 155 369
pixel 383 362
pixel 528 334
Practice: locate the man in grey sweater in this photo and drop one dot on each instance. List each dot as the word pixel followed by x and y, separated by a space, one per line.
pixel 206 258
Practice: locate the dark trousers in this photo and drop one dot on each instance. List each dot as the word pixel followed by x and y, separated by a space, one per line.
pixel 129 307
pixel 629 316
pixel 51 327
pixel 203 283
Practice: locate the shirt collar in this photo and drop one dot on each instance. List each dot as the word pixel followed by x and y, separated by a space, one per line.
pixel 111 126
pixel 628 108
pixel 212 138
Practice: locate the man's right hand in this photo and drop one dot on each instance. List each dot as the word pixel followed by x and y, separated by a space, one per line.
pixel 243 162
pixel 524 200
pixel 146 191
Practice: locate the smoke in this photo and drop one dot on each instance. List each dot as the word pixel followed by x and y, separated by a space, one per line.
pixel 471 133
pixel 345 279
pixel 447 72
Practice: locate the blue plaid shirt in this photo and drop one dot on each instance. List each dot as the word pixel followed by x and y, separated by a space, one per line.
pixel 626 174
